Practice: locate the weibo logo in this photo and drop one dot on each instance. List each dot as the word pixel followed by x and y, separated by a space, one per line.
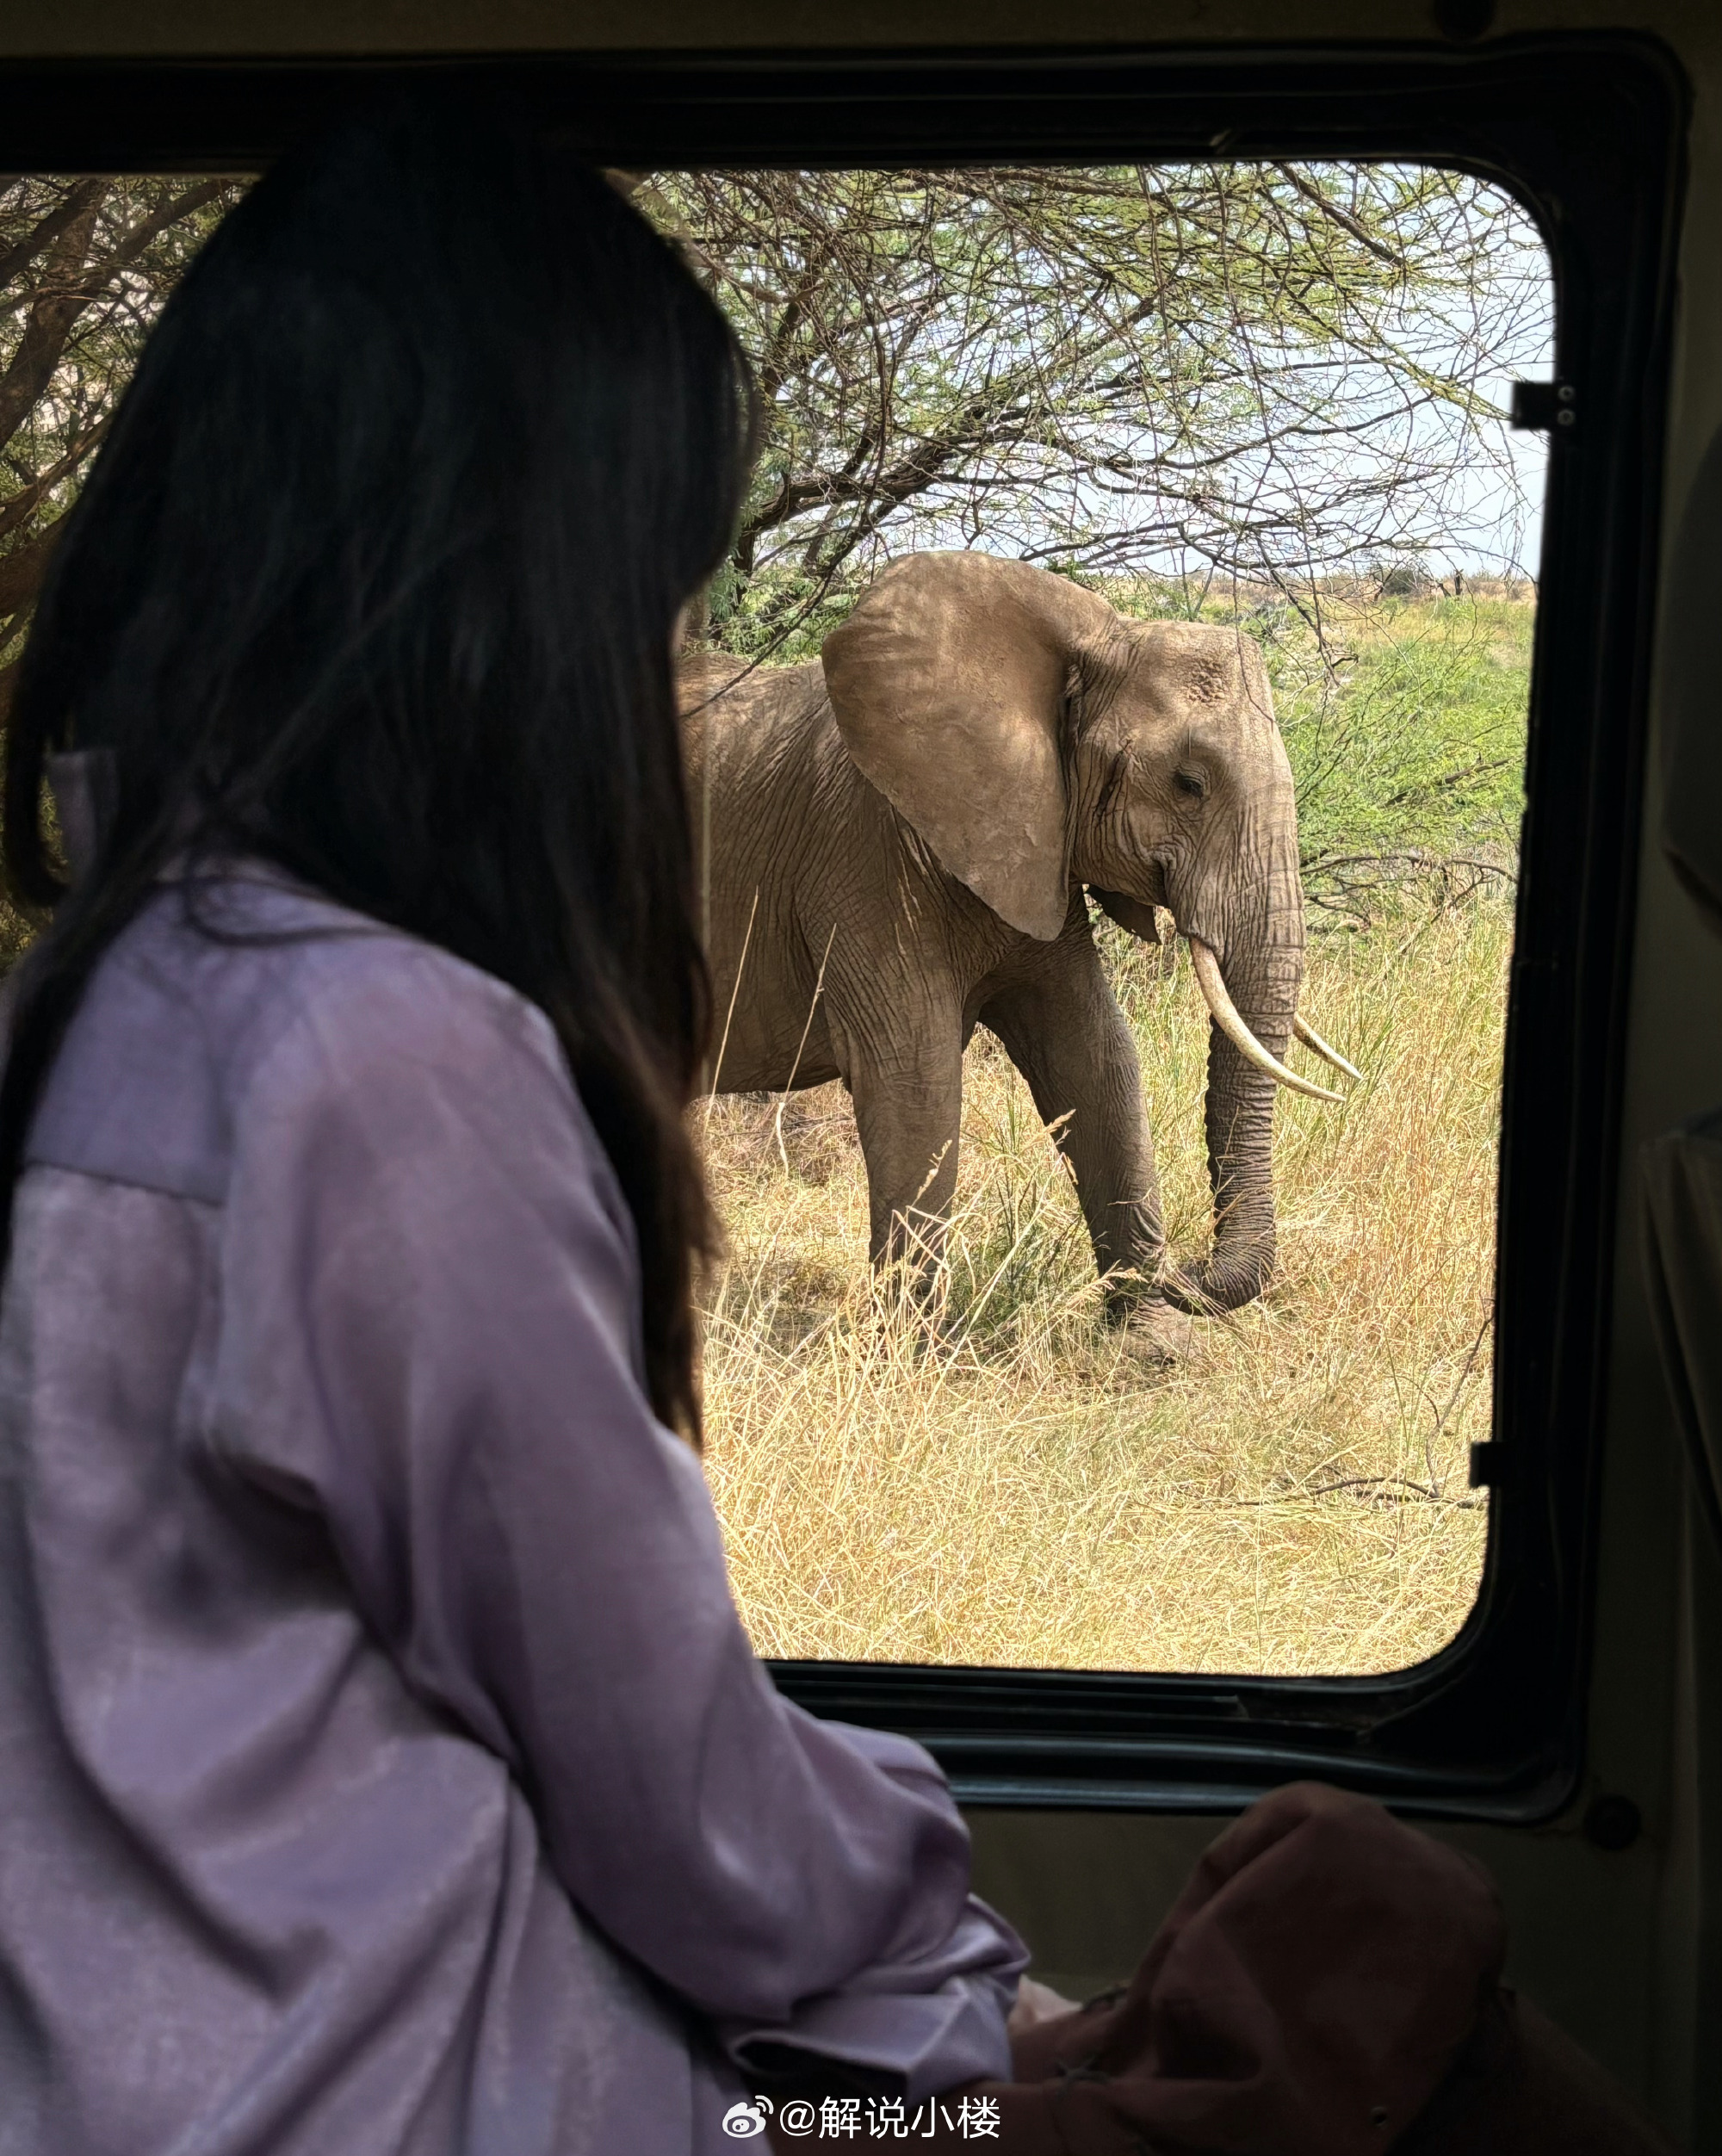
pixel 742 2122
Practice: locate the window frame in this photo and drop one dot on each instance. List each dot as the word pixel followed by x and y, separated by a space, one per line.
pixel 1587 131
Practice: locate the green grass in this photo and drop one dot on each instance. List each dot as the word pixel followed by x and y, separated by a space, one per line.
pixel 1406 739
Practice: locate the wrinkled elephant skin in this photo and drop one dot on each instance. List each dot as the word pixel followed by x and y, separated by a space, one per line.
pixel 907 827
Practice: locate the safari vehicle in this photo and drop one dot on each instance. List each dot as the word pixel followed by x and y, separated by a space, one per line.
pixel 1567 1727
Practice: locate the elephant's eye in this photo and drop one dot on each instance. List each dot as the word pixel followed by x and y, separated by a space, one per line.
pixel 1189 784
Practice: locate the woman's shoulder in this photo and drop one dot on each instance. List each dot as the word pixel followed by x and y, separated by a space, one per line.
pixel 244 997
pixel 301 970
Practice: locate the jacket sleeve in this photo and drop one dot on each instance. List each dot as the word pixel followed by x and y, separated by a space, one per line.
pixel 430 1298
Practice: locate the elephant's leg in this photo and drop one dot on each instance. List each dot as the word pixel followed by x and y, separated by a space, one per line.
pixel 909 1113
pixel 1062 1029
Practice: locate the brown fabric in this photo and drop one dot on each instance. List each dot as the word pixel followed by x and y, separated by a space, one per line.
pixel 1327 1985
pixel 1518 2088
pixel 1311 1987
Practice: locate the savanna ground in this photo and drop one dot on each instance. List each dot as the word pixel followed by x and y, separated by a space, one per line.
pixel 1012 1485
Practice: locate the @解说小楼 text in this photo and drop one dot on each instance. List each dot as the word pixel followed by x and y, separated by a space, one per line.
pixel 865 2118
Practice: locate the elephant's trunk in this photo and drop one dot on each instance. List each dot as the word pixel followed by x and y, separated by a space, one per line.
pixel 1263 968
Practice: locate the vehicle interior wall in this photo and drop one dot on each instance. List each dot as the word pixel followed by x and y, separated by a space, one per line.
pixel 1624 1945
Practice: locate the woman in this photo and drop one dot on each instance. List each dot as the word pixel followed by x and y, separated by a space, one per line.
pixel 385 1770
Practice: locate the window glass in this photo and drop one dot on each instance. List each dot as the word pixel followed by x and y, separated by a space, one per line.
pixel 1263 407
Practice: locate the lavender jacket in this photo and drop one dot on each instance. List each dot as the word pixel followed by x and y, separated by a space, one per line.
pixel 383 1767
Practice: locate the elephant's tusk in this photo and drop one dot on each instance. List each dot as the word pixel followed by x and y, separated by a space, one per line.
pixel 1225 1015
pixel 1311 1039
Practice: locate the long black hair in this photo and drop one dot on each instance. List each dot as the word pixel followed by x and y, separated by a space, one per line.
pixel 377 577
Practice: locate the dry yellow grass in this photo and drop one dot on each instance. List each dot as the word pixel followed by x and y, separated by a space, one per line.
pixel 1014 1487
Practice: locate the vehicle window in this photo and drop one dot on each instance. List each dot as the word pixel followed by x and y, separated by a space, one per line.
pixel 1149 453
pixel 1188 430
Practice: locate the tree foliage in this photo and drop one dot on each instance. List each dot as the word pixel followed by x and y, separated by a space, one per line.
pixel 1258 370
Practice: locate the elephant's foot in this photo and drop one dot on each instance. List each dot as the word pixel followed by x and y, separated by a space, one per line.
pixel 1155 1334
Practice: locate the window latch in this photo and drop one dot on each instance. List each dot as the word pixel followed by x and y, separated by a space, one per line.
pixel 1544 407
pixel 1487 1464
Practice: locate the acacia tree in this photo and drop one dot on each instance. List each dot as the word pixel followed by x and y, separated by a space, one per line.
pixel 1261 370
pixel 1254 369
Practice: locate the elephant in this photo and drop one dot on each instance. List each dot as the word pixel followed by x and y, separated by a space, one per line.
pixel 896 843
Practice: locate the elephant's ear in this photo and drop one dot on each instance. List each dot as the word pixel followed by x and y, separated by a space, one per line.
pixel 948 685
